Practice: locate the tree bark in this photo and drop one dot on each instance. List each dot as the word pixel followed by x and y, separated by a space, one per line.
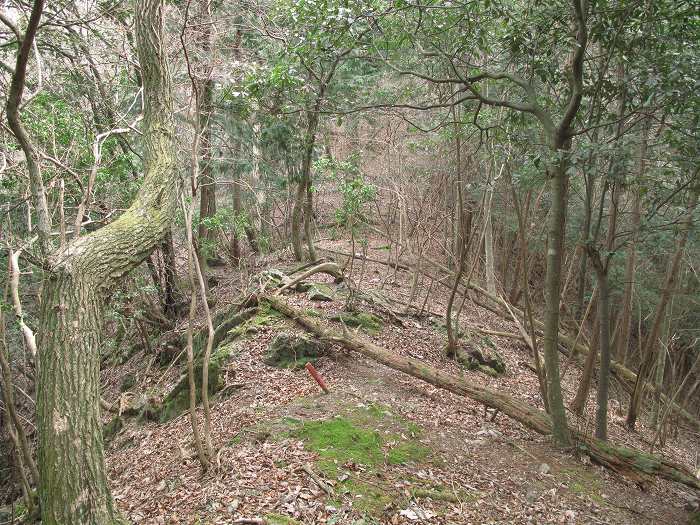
pixel 601 270
pixel 303 203
pixel 206 236
pixel 556 226
pixel 73 486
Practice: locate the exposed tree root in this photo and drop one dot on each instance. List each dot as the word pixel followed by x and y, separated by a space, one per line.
pixel 630 463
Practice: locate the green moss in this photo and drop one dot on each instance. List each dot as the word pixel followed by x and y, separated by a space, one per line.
pixel 370 323
pixel 280 519
pixel 442 493
pixel 264 316
pixel 647 463
pixel 338 441
pixel 584 483
pixel 293 351
pixel 312 312
pixel 369 498
pixel 407 452
pixel 694 519
pixel 320 292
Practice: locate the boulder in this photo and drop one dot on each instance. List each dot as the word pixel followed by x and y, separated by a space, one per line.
pixel 293 351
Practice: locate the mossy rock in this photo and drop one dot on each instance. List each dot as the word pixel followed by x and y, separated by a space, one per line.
pixel 368 322
pixel 178 400
pixel 491 363
pixel 320 292
pixel 128 382
pixel 277 277
pixel 111 429
pixel 264 315
pixel 293 351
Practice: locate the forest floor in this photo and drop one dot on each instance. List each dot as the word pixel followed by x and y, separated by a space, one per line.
pixel 384 447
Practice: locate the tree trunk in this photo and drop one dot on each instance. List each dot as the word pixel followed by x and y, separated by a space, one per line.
pixel 579 402
pixel 169 273
pixel 205 92
pixel 558 181
pixel 73 486
pixel 488 241
pixel 303 203
pixel 649 351
pixel 601 270
pixel 237 214
pixel 624 324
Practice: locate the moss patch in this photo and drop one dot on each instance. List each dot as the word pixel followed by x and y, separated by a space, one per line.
pixel 265 315
pixel 370 323
pixel 280 519
pixel 584 483
pixel 339 441
pixel 320 292
pixel 407 453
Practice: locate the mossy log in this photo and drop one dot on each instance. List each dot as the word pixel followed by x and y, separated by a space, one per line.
pixel 631 463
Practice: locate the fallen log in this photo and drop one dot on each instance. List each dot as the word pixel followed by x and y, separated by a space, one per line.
pixel 626 377
pixel 329 268
pixel 631 463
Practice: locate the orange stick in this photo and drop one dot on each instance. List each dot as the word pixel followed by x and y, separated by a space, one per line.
pixel 310 368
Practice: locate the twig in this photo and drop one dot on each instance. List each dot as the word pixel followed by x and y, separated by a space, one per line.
pixel 316 479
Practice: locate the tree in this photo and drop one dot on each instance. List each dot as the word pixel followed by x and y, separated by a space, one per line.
pixel 78 282
pixel 556 117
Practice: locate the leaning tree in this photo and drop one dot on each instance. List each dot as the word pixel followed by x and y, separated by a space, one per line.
pixel 79 279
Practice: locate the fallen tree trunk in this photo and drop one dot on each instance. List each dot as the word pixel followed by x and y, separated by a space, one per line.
pixel 626 377
pixel 631 463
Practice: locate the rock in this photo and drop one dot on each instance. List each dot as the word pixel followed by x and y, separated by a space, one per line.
pixel 320 292
pixel 293 351
pixel 488 433
pixel 370 323
pixel 544 469
pixel 128 382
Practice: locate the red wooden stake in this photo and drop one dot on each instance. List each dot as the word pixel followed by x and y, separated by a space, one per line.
pixel 310 368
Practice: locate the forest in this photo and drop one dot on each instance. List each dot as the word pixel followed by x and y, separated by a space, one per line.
pixel 351 262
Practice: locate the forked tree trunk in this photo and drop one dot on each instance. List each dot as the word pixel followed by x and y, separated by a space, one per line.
pixel 73 486
pixel 303 204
